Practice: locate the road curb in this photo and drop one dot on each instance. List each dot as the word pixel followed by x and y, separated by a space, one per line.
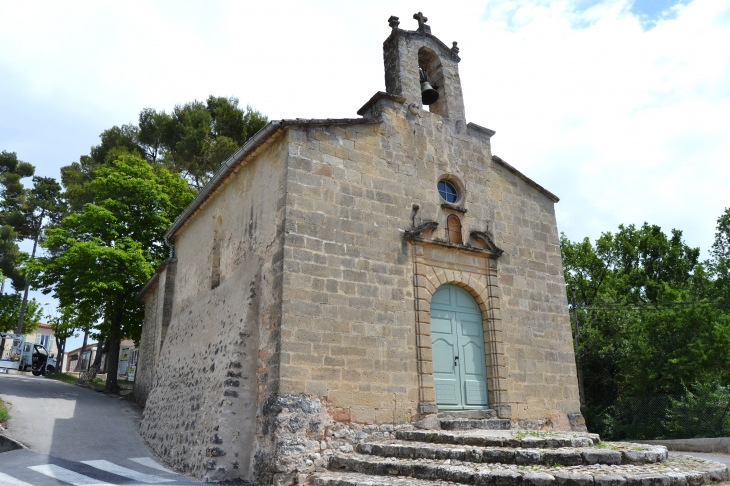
pixel 8 444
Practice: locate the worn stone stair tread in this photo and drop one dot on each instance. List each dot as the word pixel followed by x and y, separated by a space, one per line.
pixel 493 438
pixel 358 479
pixel 467 424
pixel 565 456
pixel 467 414
pixel 685 472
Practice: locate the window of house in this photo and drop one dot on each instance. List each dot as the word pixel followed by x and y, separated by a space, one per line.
pixel 453 227
pixel 215 270
pixel 448 191
pixel 85 359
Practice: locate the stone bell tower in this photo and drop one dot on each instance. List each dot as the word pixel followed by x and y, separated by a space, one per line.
pixel 405 51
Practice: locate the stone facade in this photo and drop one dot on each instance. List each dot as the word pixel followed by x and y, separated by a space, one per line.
pixel 297 304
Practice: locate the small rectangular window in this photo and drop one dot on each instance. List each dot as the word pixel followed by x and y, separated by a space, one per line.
pixel 215 272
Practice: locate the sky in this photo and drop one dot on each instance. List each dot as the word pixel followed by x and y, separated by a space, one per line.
pixel 619 107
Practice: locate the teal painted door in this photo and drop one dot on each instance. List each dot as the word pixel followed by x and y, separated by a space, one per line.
pixel 457 340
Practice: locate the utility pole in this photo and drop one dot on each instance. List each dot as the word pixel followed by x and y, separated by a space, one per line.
pixel 576 338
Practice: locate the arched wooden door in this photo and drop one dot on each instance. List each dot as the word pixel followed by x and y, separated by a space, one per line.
pixel 457 344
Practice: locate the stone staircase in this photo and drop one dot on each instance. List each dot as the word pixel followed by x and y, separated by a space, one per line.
pixel 478 448
pixel 473 419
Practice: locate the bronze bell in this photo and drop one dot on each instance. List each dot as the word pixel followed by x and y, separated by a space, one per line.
pixel 429 95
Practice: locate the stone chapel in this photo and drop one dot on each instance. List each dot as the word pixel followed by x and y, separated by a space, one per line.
pixel 342 278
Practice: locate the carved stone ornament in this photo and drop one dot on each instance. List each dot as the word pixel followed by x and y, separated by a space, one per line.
pixel 422 19
pixel 424 233
pixel 486 239
pixel 419 231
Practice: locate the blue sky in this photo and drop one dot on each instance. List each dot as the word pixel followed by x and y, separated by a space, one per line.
pixel 621 108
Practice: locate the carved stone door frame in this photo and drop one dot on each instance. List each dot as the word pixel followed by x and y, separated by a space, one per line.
pixel 472 266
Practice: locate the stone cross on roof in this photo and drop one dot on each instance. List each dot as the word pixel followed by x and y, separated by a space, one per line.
pixel 422 19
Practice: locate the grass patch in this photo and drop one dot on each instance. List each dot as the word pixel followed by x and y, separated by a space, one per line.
pixel 64 377
pixel 95 383
pixel 521 434
pixel 609 446
pixel 4 415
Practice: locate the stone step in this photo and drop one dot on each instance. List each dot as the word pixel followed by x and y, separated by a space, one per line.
pixel 468 414
pixel 617 454
pixel 357 479
pixel 673 472
pixel 487 439
pixel 469 424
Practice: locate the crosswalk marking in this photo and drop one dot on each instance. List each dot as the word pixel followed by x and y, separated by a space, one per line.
pixel 149 462
pixel 127 473
pixel 6 480
pixel 57 472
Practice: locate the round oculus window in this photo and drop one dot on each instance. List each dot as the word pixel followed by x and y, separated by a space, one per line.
pixel 448 191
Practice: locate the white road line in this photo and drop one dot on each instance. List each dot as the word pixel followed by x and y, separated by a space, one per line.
pixel 149 462
pixel 6 480
pixel 127 473
pixel 57 472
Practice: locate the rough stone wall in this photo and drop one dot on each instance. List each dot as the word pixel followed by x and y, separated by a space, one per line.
pixel 348 319
pixel 348 325
pixel 146 362
pixel 201 414
pixel 401 57
pixel 308 437
pixel 149 343
pixel 294 314
pixel 541 362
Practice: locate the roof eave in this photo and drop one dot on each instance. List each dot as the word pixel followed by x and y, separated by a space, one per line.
pixel 529 181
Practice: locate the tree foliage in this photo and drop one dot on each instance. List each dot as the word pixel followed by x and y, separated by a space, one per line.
pixel 719 263
pixel 101 256
pixel 12 171
pixel 65 325
pixel 193 140
pixel 10 310
pixel 11 257
pixel 650 317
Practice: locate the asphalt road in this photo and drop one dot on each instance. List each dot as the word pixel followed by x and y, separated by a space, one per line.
pixel 74 435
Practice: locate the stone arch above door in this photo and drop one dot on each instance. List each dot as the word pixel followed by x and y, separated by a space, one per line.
pixel 477 274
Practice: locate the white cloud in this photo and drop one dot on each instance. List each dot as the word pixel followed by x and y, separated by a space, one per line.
pixel 626 124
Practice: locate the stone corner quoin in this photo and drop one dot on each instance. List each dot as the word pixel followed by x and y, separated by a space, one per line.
pixel 323 290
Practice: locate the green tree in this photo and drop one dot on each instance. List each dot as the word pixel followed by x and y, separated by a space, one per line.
pixel 645 325
pixel 28 210
pixel 197 137
pixel 10 310
pixel 65 325
pixel 12 171
pixel 76 178
pixel 102 256
pixel 10 258
pixel 193 140
pixel 719 263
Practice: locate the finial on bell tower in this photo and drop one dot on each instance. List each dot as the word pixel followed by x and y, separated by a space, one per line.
pixel 393 22
pixel 422 19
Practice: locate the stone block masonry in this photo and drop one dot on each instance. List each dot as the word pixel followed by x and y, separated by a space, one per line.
pixel 294 319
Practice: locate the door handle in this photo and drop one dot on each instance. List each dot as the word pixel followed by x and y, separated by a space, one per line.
pixel 456 361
